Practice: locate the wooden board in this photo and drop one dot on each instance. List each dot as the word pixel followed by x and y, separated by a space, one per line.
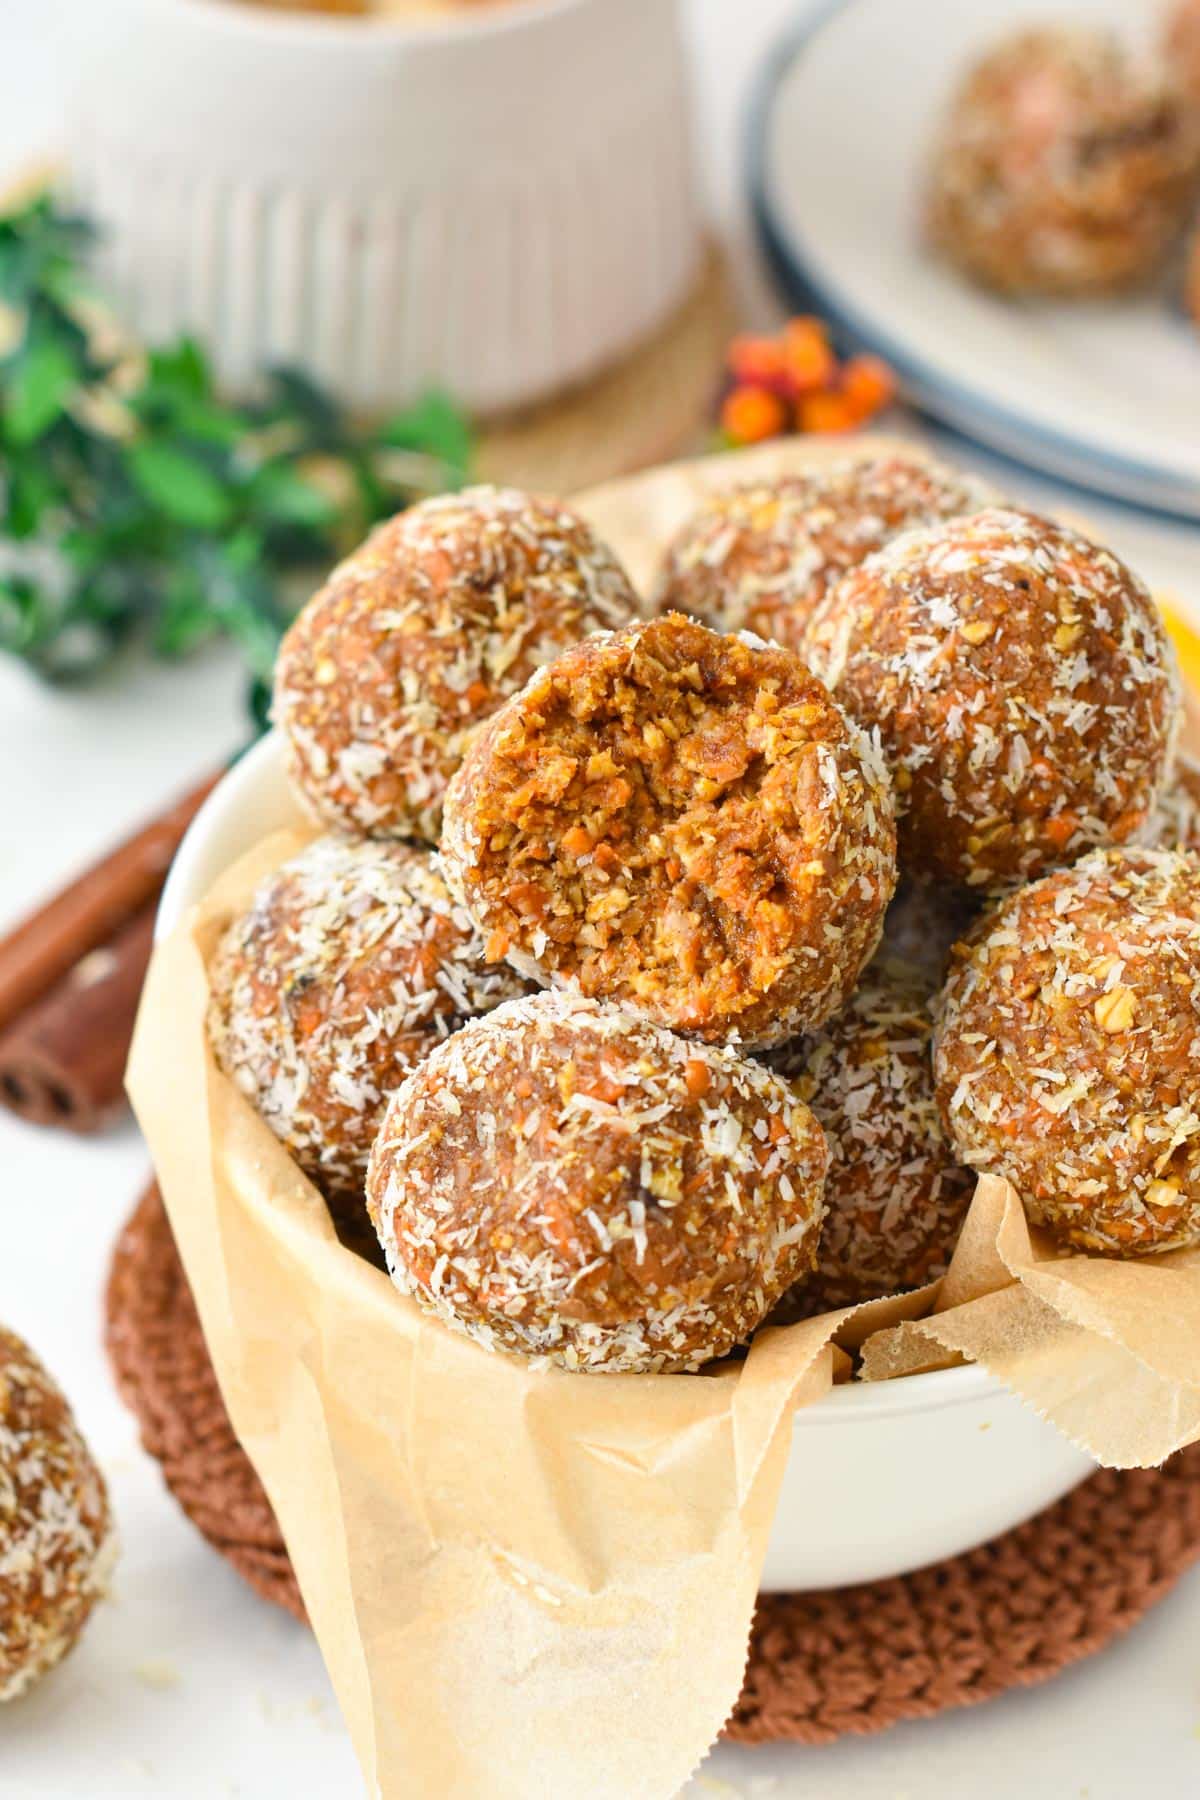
pixel 655 404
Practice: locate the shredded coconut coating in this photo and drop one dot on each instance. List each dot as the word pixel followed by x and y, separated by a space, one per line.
pixel 57 1544
pixel 895 1194
pixel 1023 686
pixel 1067 1056
pixel 1175 824
pixel 1063 167
pixel 761 556
pixel 350 964
pixel 682 823
pixel 564 1180
pixel 443 613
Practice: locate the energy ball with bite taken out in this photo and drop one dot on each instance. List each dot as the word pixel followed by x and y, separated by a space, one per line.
pixel 1063 167
pixel 564 1180
pixel 351 962
pixel 895 1195
pixel 445 611
pixel 760 556
pixel 1023 686
pixel 1067 1054
pixel 57 1543
pixel 682 823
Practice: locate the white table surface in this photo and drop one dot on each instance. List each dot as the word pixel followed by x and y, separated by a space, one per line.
pixel 186 1685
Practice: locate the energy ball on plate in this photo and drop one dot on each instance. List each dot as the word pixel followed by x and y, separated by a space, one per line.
pixel 1067 1054
pixel 1063 167
pixel 763 554
pixel 564 1180
pixel 443 613
pixel 682 823
pixel 1176 821
pixel 895 1194
pixel 57 1543
pixel 1023 685
pixel 351 962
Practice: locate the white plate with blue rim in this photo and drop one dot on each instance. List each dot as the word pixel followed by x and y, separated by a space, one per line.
pixel 1101 393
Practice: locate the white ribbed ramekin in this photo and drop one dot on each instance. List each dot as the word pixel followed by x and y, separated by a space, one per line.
pixel 500 204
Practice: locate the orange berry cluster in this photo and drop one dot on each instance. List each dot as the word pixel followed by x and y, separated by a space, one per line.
pixel 796 382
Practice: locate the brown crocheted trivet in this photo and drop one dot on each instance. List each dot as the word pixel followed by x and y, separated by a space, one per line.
pixel 854 1660
pixel 165 1377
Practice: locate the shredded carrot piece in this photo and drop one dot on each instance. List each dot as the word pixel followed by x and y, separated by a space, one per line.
pixel 1061 829
pixel 577 841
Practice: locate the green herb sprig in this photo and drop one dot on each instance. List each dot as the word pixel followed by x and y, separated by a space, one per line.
pixel 136 502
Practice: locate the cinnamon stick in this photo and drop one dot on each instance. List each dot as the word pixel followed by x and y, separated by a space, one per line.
pixel 41 951
pixel 71 975
pixel 63 1062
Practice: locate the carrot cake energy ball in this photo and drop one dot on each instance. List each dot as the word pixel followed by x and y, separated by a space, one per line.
pixel 1023 685
pixel 1062 167
pixel 1068 1052
pixel 895 1194
pixel 57 1544
pixel 762 555
pixel 565 1180
pixel 350 964
pixel 680 822
pixel 445 611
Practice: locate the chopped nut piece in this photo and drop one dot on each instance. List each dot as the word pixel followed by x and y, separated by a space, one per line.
pixel 1115 1010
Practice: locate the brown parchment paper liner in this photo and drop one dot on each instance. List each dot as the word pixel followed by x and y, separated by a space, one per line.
pixel 528 1582
pixel 522 1581
pixel 1109 1351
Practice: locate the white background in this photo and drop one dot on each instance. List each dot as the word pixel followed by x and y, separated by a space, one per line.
pixel 187 1686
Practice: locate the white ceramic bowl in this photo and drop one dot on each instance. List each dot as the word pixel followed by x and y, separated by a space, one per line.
pixel 882 1478
pixel 500 202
